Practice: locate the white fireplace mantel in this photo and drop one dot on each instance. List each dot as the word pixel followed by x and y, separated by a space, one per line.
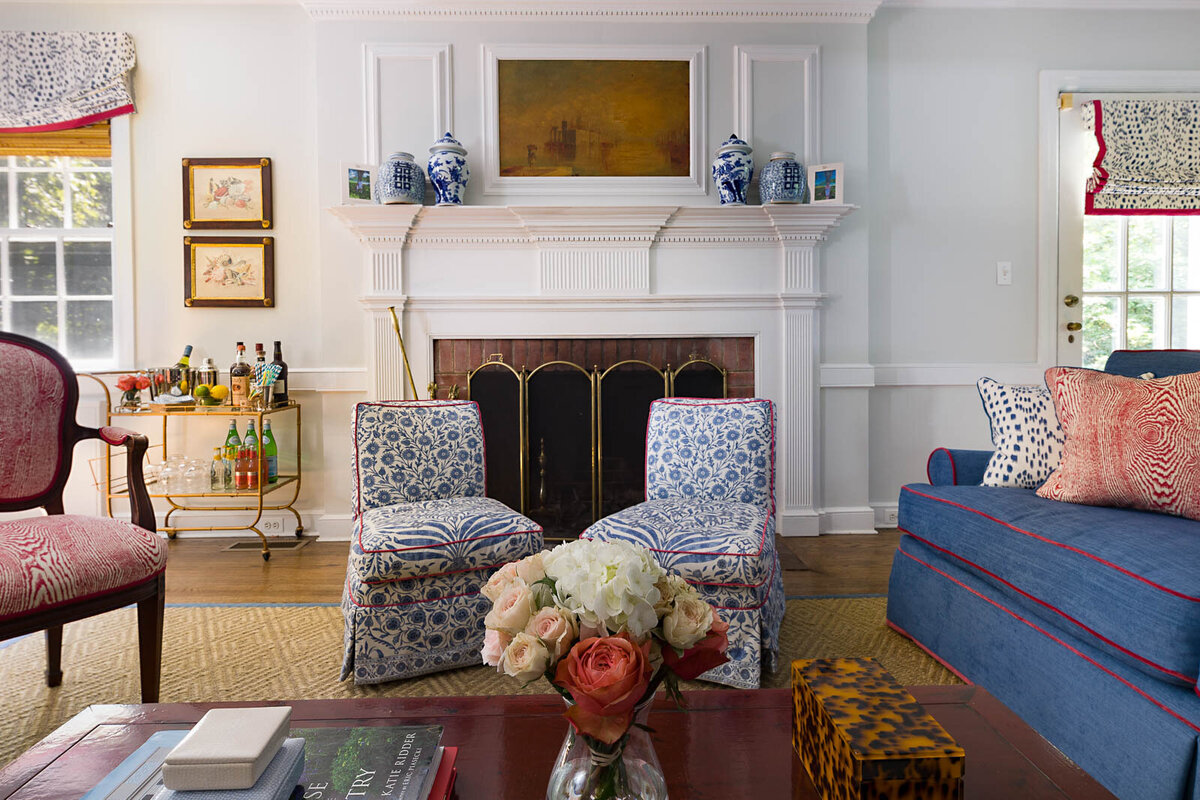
pixel 497 272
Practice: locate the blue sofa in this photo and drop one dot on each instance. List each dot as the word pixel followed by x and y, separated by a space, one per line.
pixel 1084 620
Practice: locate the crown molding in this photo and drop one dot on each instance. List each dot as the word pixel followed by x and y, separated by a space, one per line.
pixel 852 11
pixel 1049 5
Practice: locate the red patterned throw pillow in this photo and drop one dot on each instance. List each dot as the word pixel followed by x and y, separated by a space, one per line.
pixel 1129 442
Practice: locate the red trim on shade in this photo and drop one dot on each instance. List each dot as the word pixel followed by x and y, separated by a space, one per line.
pixel 1160 350
pixel 929 652
pixel 1101 172
pixel 953 468
pixel 70 601
pixel 1190 679
pixel 1084 553
pixel 75 123
pixel 1055 639
pixel 350 597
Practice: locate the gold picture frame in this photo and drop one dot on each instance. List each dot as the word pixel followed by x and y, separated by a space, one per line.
pixel 229 271
pixel 227 193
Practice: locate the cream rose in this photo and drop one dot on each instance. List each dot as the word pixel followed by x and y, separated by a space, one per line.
pixel 512 609
pixel 525 658
pixel 494 644
pixel 500 580
pixel 530 569
pixel 670 586
pixel 687 623
pixel 556 628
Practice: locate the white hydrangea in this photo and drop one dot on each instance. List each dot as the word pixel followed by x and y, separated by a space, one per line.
pixel 608 585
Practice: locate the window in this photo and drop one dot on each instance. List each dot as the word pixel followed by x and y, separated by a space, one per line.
pixel 57 282
pixel 1141 284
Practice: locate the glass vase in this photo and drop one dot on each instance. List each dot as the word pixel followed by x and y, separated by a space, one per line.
pixel 588 769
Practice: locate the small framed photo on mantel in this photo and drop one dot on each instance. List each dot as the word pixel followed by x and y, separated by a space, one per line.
pixel 826 184
pixel 229 271
pixel 357 182
pixel 227 193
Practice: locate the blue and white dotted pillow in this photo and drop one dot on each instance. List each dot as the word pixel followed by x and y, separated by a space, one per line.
pixel 1025 432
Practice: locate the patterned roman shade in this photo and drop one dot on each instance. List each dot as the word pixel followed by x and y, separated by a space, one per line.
pixel 58 80
pixel 1149 156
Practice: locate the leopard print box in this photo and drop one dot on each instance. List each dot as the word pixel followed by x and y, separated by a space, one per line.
pixel 861 736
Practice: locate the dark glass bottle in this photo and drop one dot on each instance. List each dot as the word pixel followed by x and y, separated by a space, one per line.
pixel 279 394
pixel 239 378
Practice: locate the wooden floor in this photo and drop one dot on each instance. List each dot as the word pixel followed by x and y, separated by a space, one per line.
pixel 206 571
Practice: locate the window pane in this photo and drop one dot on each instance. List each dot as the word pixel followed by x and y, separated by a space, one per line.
pixel 1186 257
pixel 3 198
pixel 1185 321
pixel 32 266
pixel 1101 254
pixel 1146 322
pixel 39 199
pixel 1101 329
pixel 1147 253
pixel 89 329
pixel 37 161
pixel 91 195
pixel 91 162
pixel 37 319
pixel 88 265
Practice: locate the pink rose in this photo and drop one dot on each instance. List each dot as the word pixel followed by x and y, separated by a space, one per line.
pixel 555 627
pixel 512 609
pixel 499 581
pixel 525 658
pixel 606 678
pixel 494 643
pixel 708 653
pixel 530 569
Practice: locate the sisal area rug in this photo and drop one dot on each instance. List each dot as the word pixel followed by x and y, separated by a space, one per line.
pixel 213 653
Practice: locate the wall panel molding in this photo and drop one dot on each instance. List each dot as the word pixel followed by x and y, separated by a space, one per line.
pixel 808 56
pixel 374 55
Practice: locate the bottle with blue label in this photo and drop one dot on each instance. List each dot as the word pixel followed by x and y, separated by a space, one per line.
pixel 270 452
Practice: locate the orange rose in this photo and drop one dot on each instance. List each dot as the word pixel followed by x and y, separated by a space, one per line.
pixel 606 678
pixel 709 652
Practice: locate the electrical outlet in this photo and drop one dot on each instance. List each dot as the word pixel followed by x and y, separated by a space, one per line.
pixel 1004 273
pixel 891 517
pixel 271 525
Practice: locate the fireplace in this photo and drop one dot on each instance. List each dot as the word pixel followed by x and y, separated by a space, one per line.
pixel 565 419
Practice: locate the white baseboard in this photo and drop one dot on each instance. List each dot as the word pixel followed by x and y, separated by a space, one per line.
pixel 885 514
pixel 848 520
pixel 330 527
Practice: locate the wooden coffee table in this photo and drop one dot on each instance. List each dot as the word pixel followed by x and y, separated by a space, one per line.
pixel 730 744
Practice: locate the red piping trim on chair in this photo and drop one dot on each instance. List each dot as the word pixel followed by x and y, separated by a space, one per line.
pixel 382 581
pixel 747 608
pixel 1054 639
pixel 441 544
pixel 953 468
pixel 350 597
pixel 1191 680
pixel 1084 553
pixel 92 596
pixel 929 652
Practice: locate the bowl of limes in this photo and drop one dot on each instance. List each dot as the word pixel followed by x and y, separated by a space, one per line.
pixel 213 395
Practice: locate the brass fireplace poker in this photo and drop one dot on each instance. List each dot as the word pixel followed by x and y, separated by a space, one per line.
pixel 403 352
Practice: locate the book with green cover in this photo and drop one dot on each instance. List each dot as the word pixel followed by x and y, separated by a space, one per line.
pixel 393 762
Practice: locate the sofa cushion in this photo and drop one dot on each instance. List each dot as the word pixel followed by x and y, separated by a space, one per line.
pixel 710 543
pixel 433 537
pixel 1131 443
pixel 1127 580
pixel 1025 431
pixel 49 561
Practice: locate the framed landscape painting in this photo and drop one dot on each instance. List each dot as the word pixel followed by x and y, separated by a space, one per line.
pixel 594 119
pixel 229 271
pixel 229 193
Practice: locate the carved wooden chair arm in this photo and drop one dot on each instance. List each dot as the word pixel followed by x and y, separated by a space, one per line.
pixel 136 445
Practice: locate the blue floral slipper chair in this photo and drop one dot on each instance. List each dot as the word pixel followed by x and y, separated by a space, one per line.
pixel 709 515
pixel 425 540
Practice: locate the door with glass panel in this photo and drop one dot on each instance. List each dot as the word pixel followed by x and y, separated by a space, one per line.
pixel 1127 281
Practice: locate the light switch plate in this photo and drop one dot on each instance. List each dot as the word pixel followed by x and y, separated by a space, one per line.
pixel 1003 273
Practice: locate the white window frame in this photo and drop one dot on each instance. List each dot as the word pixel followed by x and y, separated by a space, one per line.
pixel 121 237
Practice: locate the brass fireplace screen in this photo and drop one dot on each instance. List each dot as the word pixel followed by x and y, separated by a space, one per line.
pixel 566 445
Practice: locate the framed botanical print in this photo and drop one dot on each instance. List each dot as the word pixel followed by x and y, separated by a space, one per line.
pixel 229 271
pixel 228 193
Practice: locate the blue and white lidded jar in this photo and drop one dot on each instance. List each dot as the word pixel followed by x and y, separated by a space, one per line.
pixel 782 180
pixel 400 180
pixel 732 169
pixel 448 171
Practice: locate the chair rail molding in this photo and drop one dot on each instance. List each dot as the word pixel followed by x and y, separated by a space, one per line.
pixel 496 272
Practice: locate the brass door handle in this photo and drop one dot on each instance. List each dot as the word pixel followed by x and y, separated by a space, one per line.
pixel 1074 326
pixel 1070 301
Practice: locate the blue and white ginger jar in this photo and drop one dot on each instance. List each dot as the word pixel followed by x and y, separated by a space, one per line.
pixel 400 180
pixel 732 169
pixel 448 171
pixel 782 180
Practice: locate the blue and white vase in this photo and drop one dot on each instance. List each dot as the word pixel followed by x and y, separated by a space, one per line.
pixel 400 180
pixel 732 169
pixel 448 171
pixel 782 180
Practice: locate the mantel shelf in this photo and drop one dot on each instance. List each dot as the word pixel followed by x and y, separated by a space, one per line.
pixel 398 225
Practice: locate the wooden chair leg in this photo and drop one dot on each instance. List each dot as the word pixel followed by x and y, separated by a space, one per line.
pixel 54 655
pixel 150 630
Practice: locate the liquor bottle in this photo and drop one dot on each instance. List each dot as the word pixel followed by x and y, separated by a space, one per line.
pixel 270 452
pixel 216 471
pixel 263 398
pixel 279 393
pixel 239 378
pixel 185 359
